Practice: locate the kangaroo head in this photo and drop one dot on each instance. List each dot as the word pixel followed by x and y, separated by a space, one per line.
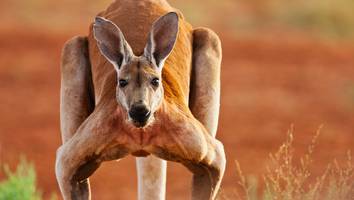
pixel 139 85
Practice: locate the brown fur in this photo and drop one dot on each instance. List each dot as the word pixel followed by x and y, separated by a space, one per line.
pixel 179 133
pixel 176 72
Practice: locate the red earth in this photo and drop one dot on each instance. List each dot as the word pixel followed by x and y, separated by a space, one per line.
pixel 268 83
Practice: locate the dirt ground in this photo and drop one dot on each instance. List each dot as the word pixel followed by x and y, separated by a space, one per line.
pixel 268 83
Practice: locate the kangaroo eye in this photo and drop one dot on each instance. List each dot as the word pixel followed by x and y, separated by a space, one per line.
pixel 123 83
pixel 155 82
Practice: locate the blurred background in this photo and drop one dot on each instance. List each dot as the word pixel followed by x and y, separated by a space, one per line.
pixel 284 62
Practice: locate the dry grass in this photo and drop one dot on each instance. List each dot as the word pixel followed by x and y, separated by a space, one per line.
pixel 329 18
pixel 333 17
pixel 286 180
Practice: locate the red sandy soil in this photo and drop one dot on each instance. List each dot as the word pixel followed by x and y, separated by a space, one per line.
pixel 268 83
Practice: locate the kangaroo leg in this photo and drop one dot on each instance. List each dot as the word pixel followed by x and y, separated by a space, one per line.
pixel 204 100
pixel 151 178
pixel 204 103
pixel 76 98
pixel 182 138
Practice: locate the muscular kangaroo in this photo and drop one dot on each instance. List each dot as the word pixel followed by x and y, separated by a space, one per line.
pixel 142 83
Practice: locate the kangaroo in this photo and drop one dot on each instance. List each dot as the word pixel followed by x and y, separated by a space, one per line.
pixel 142 83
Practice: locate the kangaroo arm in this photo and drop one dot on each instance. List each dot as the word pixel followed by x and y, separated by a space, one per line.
pixel 182 138
pixel 95 141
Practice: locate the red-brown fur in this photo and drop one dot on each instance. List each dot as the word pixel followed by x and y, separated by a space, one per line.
pixel 177 69
pixel 175 134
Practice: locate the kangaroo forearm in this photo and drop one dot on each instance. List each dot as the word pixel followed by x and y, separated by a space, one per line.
pixel 207 166
pixel 204 184
pixel 209 173
pixel 70 187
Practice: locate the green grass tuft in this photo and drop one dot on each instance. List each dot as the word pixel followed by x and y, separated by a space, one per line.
pixel 19 184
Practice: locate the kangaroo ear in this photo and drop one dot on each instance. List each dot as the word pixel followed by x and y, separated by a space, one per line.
pixel 111 42
pixel 162 38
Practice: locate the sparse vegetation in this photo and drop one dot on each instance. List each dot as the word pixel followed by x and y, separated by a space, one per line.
pixel 20 184
pixel 285 180
pixel 329 18
pixel 332 17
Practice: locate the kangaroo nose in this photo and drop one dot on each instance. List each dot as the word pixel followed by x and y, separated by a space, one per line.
pixel 139 113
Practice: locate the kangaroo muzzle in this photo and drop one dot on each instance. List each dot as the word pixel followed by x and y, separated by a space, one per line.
pixel 140 114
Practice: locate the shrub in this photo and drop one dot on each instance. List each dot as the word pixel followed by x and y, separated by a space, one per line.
pixel 20 184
